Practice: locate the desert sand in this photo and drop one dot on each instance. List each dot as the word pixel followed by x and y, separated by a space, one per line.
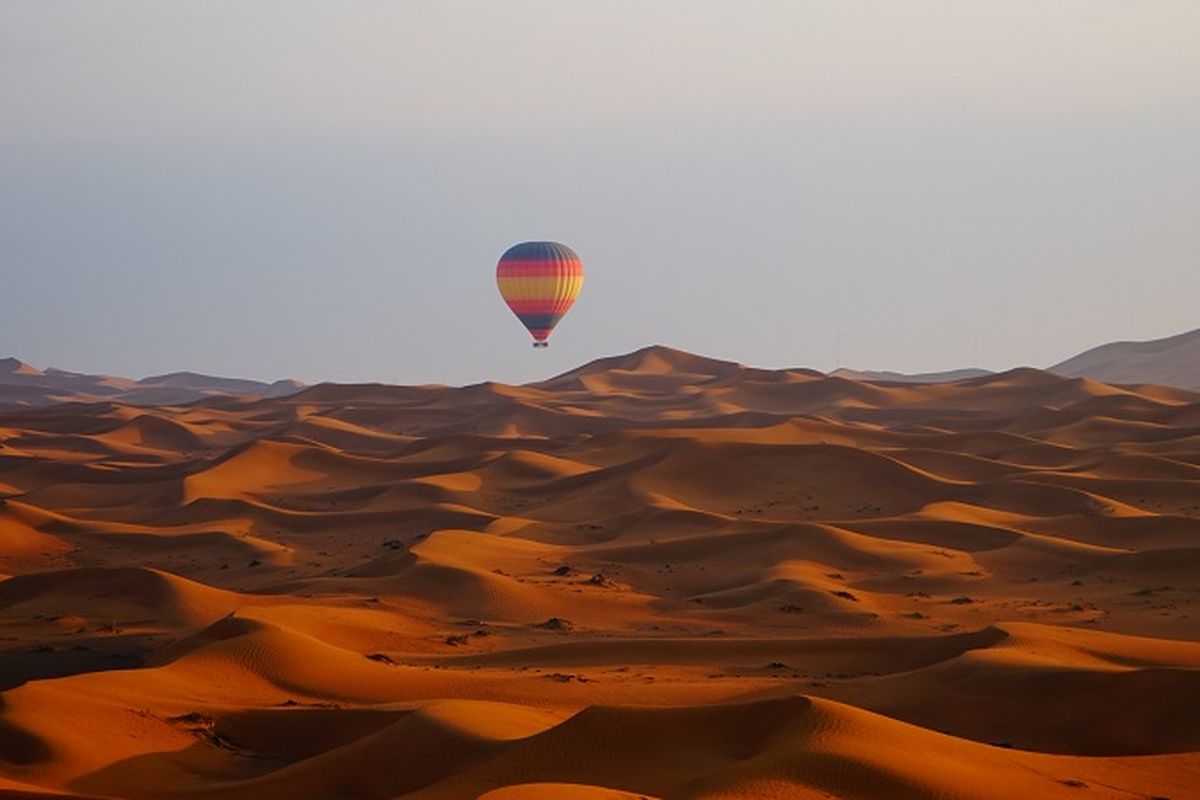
pixel 656 576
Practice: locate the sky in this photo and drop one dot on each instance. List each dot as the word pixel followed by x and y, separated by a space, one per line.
pixel 321 190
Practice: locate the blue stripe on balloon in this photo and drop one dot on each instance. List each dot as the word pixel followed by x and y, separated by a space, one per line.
pixel 539 251
pixel 535 321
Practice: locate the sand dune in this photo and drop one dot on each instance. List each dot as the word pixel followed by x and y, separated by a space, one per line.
pixel 658 575
pixel 1170 361
pixel 23 385
pixel 793 747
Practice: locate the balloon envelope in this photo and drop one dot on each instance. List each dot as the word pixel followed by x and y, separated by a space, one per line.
pixel 539 281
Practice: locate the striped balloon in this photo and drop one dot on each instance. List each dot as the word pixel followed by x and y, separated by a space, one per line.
pixel 539 281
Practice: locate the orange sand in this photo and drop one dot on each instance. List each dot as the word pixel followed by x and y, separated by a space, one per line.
pixel 657 576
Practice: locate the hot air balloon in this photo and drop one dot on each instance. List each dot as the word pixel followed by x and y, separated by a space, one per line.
pixel 539 281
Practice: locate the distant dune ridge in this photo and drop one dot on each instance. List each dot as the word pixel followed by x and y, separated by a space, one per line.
pixel 1172 361
pixel 25 385
pixel 913 377
pixel 658 575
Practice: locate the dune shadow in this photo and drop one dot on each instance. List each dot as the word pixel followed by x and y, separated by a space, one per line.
pixel 19 665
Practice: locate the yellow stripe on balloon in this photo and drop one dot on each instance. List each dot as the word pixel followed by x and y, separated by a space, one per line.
pixel 540 288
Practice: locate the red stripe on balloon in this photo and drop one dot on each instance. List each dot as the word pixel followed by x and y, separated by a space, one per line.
pixel 541 261
pixel 539 269
pixel 546 306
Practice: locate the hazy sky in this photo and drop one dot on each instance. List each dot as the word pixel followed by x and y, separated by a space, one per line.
pixel 321 190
